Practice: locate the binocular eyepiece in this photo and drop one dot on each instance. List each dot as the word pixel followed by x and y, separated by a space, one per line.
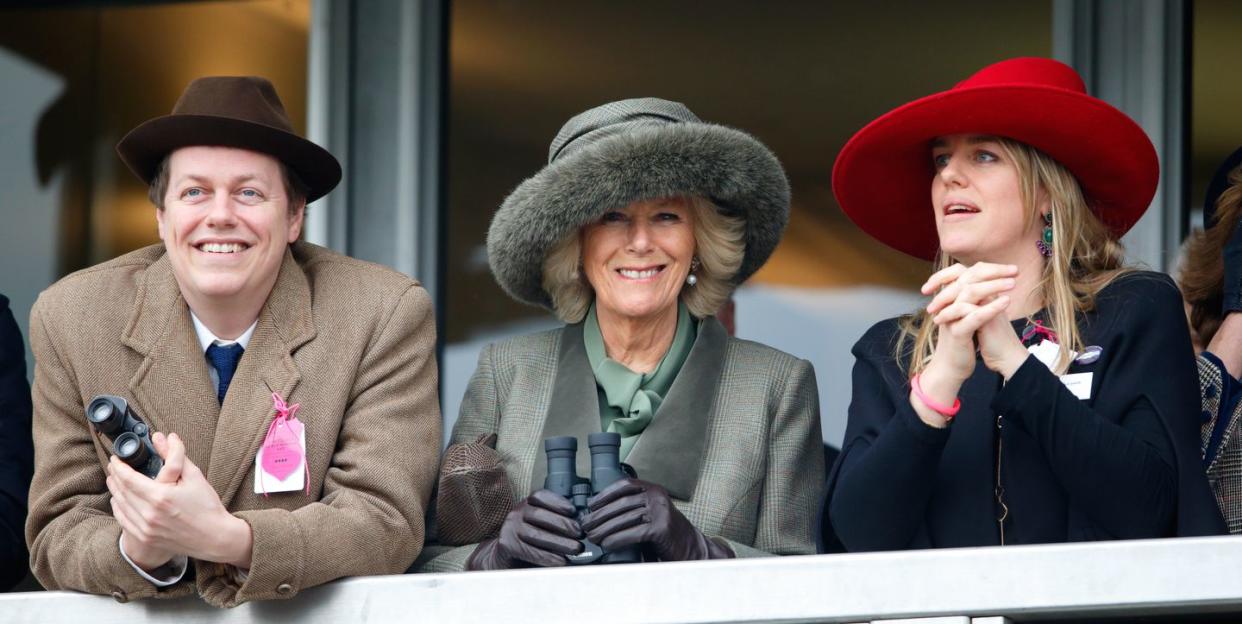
pixel 562 453
pixel 131 438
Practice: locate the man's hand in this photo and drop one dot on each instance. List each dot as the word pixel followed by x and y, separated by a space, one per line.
pixel 176 513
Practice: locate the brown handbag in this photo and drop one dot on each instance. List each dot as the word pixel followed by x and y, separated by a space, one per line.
pixel 474 493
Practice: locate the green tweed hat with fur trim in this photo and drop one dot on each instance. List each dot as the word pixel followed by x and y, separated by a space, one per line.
pixel 627 151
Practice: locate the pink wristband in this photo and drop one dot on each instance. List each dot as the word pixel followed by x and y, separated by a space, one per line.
pixel 947 412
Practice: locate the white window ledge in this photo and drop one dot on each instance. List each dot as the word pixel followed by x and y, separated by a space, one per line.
pixel 1071 581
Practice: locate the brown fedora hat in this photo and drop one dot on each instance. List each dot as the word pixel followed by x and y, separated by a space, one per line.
pixel 230 111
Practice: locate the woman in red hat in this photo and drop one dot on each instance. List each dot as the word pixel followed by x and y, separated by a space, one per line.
pixel 1047 393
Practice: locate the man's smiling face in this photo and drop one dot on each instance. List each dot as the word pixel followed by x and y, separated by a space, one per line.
pixel 226 223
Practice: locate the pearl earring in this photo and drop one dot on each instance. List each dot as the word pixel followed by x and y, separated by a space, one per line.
pixel 693 279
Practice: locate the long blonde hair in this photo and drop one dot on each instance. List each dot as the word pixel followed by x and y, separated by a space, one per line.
pixel 1085 258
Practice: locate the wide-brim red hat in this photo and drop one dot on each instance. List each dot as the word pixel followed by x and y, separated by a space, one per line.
pixel 230 111
pixel 882 177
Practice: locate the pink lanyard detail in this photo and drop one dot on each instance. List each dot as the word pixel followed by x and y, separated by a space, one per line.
pixel 1038 328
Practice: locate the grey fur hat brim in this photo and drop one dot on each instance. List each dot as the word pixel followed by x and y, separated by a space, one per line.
pixel 729 167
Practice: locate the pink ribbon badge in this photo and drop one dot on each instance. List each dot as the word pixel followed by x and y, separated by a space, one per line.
pixel 1038 328
pixel 282 446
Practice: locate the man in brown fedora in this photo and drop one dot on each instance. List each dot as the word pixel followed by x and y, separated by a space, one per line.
pixel 291 391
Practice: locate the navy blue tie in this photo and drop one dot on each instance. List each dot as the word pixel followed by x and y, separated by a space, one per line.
pixel 224 360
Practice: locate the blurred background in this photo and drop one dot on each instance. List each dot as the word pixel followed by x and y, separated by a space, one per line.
pixel 438 109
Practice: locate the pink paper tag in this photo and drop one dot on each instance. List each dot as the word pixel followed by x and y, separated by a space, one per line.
pixel 283 454
pixel 282 451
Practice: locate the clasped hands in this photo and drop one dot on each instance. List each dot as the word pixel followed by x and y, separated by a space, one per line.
pixel 177 513
pixel 969 308
pixel 542 530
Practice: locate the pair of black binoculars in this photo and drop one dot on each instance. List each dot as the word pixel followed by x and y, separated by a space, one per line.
pixel 131 438
pixel 563 479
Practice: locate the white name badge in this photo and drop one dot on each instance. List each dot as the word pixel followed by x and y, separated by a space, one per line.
pixel 1079 384
pixel 1048 352
pixel 293 482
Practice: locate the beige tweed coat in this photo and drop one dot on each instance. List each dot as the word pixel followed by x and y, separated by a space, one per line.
pixel 352 342
pixel 736 441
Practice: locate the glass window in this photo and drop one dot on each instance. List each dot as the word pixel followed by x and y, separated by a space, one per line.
pixel 76 80
pixel 1215 126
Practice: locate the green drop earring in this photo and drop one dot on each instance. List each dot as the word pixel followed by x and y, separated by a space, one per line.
pixel 1045 241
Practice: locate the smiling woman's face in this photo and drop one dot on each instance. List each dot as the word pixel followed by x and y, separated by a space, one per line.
pixel 637 257
pixel 977 199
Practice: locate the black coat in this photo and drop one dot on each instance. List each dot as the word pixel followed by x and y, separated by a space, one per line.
pixel 16 449
pixel 1123 463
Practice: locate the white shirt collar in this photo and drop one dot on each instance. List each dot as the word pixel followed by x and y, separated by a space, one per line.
pixel 206 338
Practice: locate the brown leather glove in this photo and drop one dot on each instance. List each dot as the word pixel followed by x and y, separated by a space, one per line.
pixel 633 512
pixel 540 531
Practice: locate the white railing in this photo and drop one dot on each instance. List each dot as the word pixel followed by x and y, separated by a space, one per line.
pixel 981 585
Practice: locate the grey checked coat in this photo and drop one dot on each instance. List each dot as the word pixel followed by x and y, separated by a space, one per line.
pixel 736 442
pixel 1224 468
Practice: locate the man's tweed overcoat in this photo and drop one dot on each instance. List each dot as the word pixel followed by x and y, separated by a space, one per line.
pixel 352 342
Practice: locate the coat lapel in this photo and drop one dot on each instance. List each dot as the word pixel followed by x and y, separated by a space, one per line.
pixel 285 323
pixel 670 450
pixel 171 390
pixel 574 407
